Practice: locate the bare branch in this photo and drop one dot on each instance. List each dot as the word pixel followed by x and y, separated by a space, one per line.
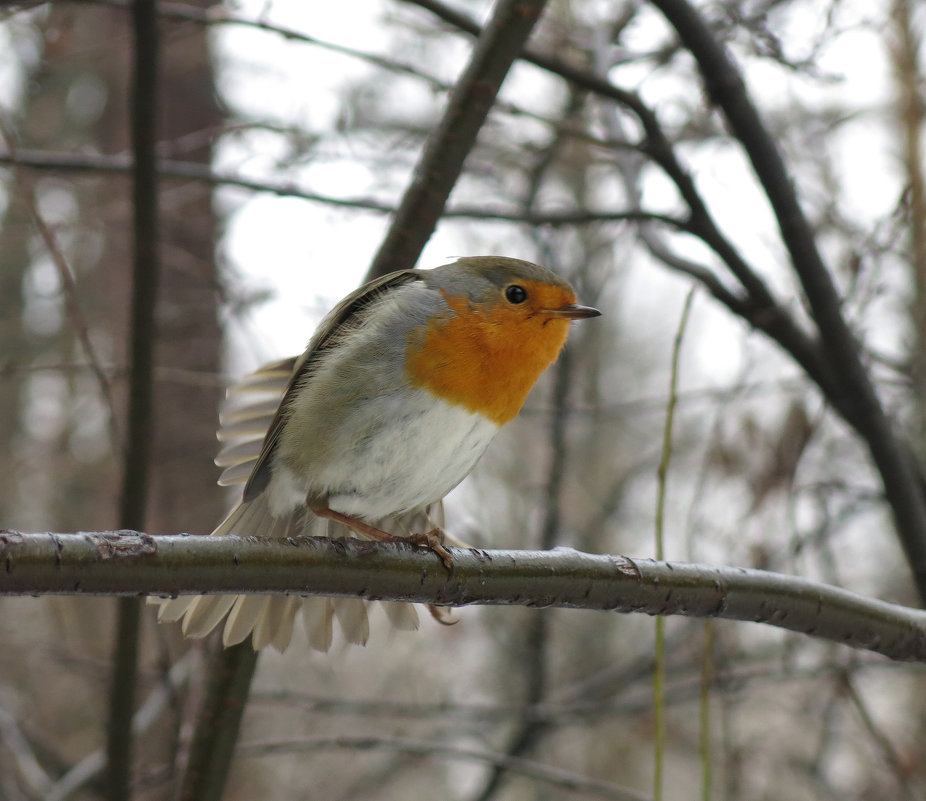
pixel 230 673
pixel 24 758
pixel 548 774
pixel 92 765
pixel 69 291
pixel 129 563
pixel 880 739
pixel 899 469
pixel 184 170
pixel 441 162
pixel 136 466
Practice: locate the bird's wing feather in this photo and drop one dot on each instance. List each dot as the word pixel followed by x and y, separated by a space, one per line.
pixel 249 408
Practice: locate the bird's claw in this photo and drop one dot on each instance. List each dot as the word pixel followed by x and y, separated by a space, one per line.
pixel 434 539
pixel 442 616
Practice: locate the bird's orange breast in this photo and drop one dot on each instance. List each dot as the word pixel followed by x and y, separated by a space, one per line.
pixel 487 357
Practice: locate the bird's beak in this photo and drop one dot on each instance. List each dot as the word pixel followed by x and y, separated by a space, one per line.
pixel 572 311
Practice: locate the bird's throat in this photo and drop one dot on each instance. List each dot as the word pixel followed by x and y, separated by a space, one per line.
pixel 486 361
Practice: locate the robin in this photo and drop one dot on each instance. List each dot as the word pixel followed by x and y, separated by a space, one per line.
pixel 400 391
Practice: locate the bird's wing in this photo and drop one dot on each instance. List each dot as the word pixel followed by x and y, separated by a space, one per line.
pixel 335 321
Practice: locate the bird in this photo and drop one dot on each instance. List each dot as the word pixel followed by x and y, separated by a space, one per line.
pixel 400 391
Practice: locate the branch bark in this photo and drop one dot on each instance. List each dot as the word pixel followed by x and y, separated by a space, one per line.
pixel 129 563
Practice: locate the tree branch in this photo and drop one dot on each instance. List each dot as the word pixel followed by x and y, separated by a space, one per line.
pixel 78 319
pixel 129 563
pixel 192 171
pixel 136 469
pixel 441 161
pixel 538 771
pixel 902 475
pixel 229 677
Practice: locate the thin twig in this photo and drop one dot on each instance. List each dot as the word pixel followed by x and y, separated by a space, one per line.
pixel 704 709
pixel 662 474
pixel 620 703
pixel 34 777
pixel 215 16
pixel 93 764
pixel 558 777
pixel 193 171
pixel 881 740
pixel 68 287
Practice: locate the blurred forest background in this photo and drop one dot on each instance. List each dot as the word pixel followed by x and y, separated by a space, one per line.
pixel 286 133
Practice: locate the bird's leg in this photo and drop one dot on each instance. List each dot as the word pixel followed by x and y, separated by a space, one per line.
pixel 355 524
pixel 432 539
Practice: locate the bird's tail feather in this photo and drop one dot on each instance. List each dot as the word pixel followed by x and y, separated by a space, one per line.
pixel 270 618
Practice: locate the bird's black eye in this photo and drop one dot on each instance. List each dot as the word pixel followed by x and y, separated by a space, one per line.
pixel 515 293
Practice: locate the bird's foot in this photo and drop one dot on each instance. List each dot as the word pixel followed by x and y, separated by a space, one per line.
pixel 433 539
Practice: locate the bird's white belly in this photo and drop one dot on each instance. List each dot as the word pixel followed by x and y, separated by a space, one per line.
pixel 425 449
pixel 430 447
